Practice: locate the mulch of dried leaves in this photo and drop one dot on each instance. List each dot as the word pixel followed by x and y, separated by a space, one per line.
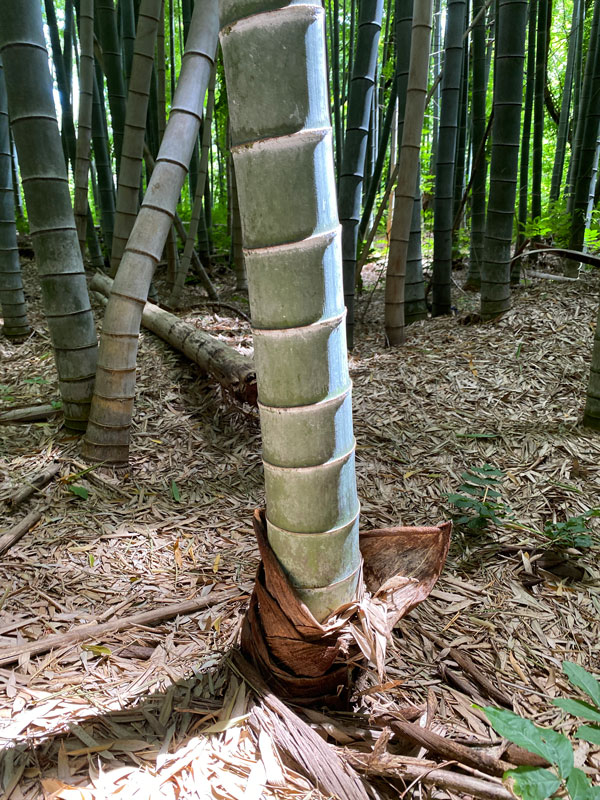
pixel 159 710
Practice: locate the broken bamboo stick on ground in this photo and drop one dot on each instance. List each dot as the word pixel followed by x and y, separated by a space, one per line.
pixel 448 749
pixel 12 535
pixel 35 484
pixel 28 414
pixel 95 631
pixel 389 766
pixel 233 371
pixel 469 667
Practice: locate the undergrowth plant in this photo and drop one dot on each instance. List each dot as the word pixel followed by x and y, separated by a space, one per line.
pixel 479 497
pixel 538 783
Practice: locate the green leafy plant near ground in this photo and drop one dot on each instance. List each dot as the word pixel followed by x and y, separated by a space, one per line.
pixel 538 783
pixel 574 532
pixel 479 497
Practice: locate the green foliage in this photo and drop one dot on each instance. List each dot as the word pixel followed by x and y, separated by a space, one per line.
pixel 574 532
pixel 80 491
pixel 537 783
pixel 480 495
pixel 39 380
pixel 554 224
pixel 175 493
pixel 5 393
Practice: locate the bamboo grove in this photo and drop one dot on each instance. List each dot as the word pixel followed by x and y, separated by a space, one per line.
pixel 464 132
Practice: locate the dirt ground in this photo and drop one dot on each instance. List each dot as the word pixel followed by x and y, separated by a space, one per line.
pixel 155 710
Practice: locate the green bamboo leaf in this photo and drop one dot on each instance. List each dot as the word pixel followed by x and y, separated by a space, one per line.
pixel 578 708
pixel 545 742
pixel 579 786
pixel 175 494
pixel 581 678
pixel 533 783
pixel 80 491
pixel 589 733
pixel 96 649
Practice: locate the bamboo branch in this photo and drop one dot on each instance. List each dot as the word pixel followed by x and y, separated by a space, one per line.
pixel 428 774
pixel 13 535
pixel 449 749
pixel 28 414
pixel 469 667
pixel 35 484
pixel 96 631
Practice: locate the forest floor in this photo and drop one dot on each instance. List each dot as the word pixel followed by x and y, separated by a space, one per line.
pixel 155 710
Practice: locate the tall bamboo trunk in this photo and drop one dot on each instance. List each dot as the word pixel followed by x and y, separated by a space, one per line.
pixel 106 187
pixel 565 106
pixel 526 136
pixel 373 184
pixel 478 123
pixel 591 415
pixel 508 92
pixel 197 216
pixel 135 127
pixel 12 298
pixel 412 126
pixel 415 306
pixel 283 153
pixel 541 61
pixel 51 221
pixel 113 65
pixel 84 123
pixel 589 137
pixel 445 162
pixel 579 122
pixel 351 179
pixel 461 143
pixel 107 437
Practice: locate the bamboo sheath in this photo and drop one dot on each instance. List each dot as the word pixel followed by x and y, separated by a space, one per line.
pixel 107 437
pixel 12 298
pixel 282 150
pixel 52 225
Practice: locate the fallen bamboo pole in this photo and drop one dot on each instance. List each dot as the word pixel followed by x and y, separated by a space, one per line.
pixel 233 371
pixel 390 766
pixel 14 534
pixel 28 414
pixel 94 630
pixel 35 484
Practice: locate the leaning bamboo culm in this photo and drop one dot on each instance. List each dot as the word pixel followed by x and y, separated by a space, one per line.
pixel 107 437
pixel 232 370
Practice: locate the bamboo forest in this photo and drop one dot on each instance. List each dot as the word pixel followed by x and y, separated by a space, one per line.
pixel 299 399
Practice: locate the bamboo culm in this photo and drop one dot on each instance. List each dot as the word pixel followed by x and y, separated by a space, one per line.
pixel 107 436
pixel 52 225
pixel 12 297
